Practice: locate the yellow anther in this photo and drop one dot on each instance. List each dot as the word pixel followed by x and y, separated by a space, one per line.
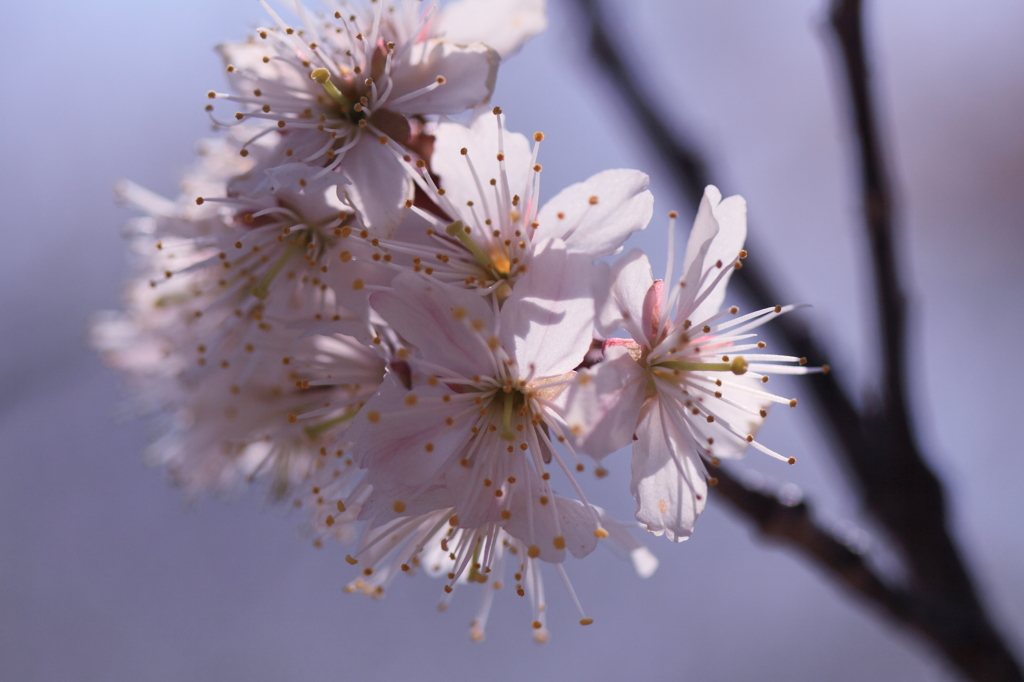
pixel 738 365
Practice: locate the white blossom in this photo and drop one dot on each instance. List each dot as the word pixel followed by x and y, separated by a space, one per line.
pixel 493 223
pixel 687 383
pixel 348 92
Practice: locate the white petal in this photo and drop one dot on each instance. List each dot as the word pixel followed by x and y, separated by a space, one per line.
pixel 468 72
pixel 501 24
pixel 405 445
pixel 622 542
pixel 416 500
pixel 279 171
pixel 604 403
pixel 718 233
pixel 481 142
pixel 438 320
pixel 575 526
pixel 379 185
pixel 669 496
pixel 624 307
pixel 274 78
pixel 623 206
pixel 547 323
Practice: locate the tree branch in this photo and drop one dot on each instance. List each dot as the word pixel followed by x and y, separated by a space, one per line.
pixel 898 486
pixel 879 448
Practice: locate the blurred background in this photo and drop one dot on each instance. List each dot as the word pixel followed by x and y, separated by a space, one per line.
pixel 106 573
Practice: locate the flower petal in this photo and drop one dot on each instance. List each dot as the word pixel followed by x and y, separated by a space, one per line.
pixel 631 280
pixel 667 475
pixel 469 73
pixel 573 530
pixel 503 25
pixel 622 542
pixel 402 442
pixel 439 320
pixel 597 215
pixel 481 144
pixel 718 233
pixel 379 185
pixel 604 403
pixel 547 323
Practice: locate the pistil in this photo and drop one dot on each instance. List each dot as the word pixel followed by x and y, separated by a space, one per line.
pixel 738 366
pixel 323 77
pixel 459 231
pixel 506 419
pixel 262 289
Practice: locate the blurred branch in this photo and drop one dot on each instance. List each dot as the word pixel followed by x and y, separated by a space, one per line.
pixel 897 484
pixel 794 525
pixel 879 447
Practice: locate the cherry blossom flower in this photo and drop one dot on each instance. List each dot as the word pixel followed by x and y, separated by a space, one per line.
pixel 211 342
pixel 347 92
pixel 473 427
pixel 687 385
pixel 493 224
pixel 439 543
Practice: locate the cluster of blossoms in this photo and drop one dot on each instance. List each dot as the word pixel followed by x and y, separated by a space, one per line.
pixel 367 304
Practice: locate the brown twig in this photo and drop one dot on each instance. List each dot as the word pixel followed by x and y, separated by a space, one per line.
pixel 878 447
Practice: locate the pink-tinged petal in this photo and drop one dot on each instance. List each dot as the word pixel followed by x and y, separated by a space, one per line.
pixel 604 403
pixel 468 75
pixel 503 25
pixel 597 215
pixel 476 505
pixel 405 441
pixel 573 530
pixel 278 171
pixel 275 78
pixel 547 323
pixel 378 185
pixel 622 542
pixel 481 144
pixel 440 321
pixel 718 233
pixel 670 492
pixel 631 279
pixel 381 506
